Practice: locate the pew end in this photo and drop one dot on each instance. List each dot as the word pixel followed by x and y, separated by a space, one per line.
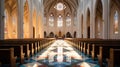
pixel 7 57
pixel 114 59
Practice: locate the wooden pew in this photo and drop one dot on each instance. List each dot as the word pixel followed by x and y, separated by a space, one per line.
pixel 97 44
pixel 114 59
pixel 18 51
pixel 27 45
pixel 7 57
pixel 99 48
pixel 89 49
pixel 35 45
pixel 87 44
pixel 104 53
pixel 26 51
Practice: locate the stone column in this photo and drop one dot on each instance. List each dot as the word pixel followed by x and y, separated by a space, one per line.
pixel 108 19
pixel 105 19
pixel 42 20
pixel 37 24
pixel 85 25
pixel 84 21
pixel 2 19
pixel 20 19
pixel 78 34
pixel 92 19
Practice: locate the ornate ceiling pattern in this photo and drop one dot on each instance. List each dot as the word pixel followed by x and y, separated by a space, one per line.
pixel 71 4
pixel 115 2
pixel 11 4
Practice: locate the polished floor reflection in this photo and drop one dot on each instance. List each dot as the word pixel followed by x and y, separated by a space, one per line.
pixel 60 54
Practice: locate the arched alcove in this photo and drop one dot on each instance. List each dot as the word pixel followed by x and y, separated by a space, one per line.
pixel 88 23
pixel 114 19
pixel 10 19
pixel 99 19
pixel 34 23
pixel 68 35
pixel 26 20
pixel 51 35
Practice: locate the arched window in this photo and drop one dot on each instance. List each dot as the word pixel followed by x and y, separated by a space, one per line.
pixel 116 22
pixel 68 20
pixel 60 21
pixel 51 20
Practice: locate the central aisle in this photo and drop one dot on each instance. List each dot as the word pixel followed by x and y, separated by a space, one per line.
pixel 60 54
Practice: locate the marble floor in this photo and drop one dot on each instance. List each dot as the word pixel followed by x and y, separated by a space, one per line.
pixel 60 54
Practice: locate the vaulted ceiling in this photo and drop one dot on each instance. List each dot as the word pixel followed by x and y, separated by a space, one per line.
pixel 72 4
pixel 115 2
pixel 11 4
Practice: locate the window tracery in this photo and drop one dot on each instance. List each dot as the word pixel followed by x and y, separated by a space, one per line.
pixel 51 20
pixel 60 21
pixel 68 20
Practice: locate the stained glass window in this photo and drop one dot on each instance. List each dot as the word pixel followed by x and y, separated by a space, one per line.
pixel 60 21
pixel 68 20
pixel 116 23
pixel 51 20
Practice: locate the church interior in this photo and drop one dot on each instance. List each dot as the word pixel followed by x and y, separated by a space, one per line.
pixel 59 33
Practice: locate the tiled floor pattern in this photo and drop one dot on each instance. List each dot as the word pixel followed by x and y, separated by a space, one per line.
pixel 60 54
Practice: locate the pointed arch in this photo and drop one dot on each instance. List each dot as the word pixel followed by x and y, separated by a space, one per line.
pixel 114 21
pixel 99 19
pixel 10 26
pixel 26 20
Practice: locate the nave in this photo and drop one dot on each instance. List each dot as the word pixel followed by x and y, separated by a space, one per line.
pixel 60 54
